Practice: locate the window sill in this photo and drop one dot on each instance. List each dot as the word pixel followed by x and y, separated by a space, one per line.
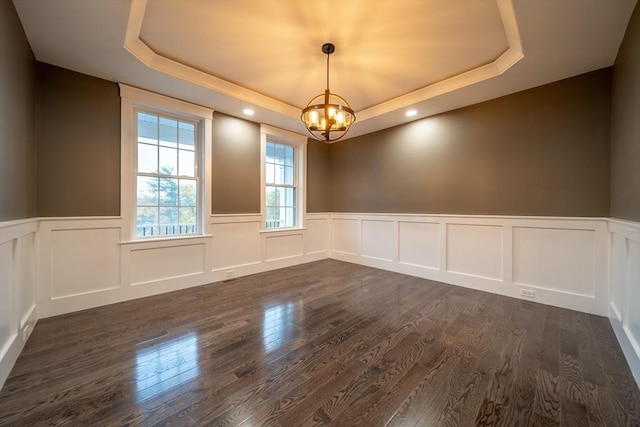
pixel 283 230
pixel 165 239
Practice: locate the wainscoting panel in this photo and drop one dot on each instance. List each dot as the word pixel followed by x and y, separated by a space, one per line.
pixel 631 318
pixel 79 263
pixel 624 298
pixel 619 271
pixel 418 244
pixel 18 296
pixel 631 321
pixel 8 317
pixel 154 264
pixel 554 258
pixel 27 267
pixel 235 244
pixel 345 236
pixel 84 260
pixel 280 245
pixel 317 235
pixel 475 250
pixel 378 240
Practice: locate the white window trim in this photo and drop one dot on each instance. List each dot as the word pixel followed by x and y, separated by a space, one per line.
pixel 299 142
pixel 133 98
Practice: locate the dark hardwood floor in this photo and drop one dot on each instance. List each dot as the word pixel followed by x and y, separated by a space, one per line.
pixel 322 343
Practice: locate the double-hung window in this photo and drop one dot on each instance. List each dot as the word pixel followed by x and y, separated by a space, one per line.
pixel 280 189
pixel 167 181
pixel 283 178
pixel 165 162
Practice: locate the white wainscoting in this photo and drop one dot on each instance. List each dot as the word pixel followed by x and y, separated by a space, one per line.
pixel 85 259
pixel 563 261
pixel 150 265
pixel 318 237
pixel 345 236
pixel 624 297
pixel 236 242
pixel 419 244
pixel 18 298
pixel 373 231
pixel 475 250
pixel 51 266
pixel 88 262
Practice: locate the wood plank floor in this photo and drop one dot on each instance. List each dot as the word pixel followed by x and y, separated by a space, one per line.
pixel 325 343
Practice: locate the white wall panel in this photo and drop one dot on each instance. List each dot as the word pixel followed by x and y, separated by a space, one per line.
pixel 8 323
pixel 18 299
pixel 378 240
pixel 624 297
pixel 559 259
pixel 475 250
pixel 161 263
pixel 235 244
pixel 619 270
pixel 344 235
pixel 316 236
pixel 84 261
pixel 27 267
pixel 281 246
pixel 418 244
pixel 631 319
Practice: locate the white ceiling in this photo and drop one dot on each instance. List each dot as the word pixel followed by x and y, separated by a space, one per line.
pixel 429 55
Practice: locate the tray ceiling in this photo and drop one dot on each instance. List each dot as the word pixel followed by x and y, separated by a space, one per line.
pixel 429 55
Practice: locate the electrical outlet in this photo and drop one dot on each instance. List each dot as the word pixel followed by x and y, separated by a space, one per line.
pixel 527 293
pixel 231 274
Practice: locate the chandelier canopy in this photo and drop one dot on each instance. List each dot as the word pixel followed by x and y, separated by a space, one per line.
pixel 328 116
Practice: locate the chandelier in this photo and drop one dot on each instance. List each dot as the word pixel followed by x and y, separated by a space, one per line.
pixel 328 116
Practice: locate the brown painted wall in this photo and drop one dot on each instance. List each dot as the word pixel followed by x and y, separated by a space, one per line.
pixel 539 152
pixel 236 165
pixel 78 144
pixel 318 184
pixel 544 151
pixel 17 112
pixel 625 126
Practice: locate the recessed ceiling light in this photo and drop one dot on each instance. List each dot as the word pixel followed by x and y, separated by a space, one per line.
pixel 248 111
pixel 411 113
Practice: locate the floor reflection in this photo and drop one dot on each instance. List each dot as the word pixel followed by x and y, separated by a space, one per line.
pixel 166 365
pixel 278 325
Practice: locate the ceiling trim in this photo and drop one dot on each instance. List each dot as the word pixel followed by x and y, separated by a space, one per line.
pixel 509 58
pixel 145 54
pixel 139 49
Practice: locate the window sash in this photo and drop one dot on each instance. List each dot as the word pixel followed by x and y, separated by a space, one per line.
pixel 179 215
pixel 280 214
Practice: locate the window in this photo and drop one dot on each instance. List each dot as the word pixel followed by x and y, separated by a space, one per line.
pixel 280 187
pixel 166 150
pixel 167 184
pixel 283 178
